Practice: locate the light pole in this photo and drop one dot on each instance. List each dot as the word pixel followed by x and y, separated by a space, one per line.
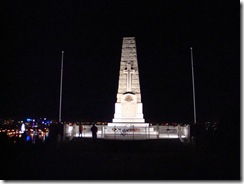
pixel 60 96
pixel 193 88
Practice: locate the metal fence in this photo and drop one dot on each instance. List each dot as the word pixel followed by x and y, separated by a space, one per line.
pixel 181 132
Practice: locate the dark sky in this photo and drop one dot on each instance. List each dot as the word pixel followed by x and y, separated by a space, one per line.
pixel 33 34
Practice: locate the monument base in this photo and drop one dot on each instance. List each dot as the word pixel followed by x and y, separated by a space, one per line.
pixel 126 120
pixel 128 124
pixel 129 130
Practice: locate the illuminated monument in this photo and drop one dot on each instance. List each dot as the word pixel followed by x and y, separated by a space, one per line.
pixel 128 108
pixel 128 122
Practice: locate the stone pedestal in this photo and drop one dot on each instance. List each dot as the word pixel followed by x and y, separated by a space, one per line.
pixel 128 110
pixel 128 124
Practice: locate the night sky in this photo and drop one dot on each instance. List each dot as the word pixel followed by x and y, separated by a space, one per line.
pixel 34 33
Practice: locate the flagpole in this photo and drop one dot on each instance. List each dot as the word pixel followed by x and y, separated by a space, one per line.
pixel 61 86
pixel 193 87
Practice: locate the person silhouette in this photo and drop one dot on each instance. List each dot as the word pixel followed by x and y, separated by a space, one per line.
pixel 81 129
pixel 94 132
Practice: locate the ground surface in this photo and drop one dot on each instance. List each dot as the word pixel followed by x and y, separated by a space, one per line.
pixel 83 159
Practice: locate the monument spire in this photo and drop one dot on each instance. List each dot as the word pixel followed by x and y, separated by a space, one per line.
pixel 128 107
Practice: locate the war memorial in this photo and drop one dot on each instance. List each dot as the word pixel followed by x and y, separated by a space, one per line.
pixel 128 122
pixel 127 148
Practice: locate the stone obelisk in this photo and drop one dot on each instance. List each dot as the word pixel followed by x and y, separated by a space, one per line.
pixel 128 108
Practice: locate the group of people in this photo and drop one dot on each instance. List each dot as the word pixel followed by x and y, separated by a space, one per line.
pixel 56 131
pixel 93 130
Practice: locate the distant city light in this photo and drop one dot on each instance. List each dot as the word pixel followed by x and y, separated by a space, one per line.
pixel 28 138
pixel 22 128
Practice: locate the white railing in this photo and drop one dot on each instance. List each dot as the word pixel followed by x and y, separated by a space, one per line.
pixel 132 132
